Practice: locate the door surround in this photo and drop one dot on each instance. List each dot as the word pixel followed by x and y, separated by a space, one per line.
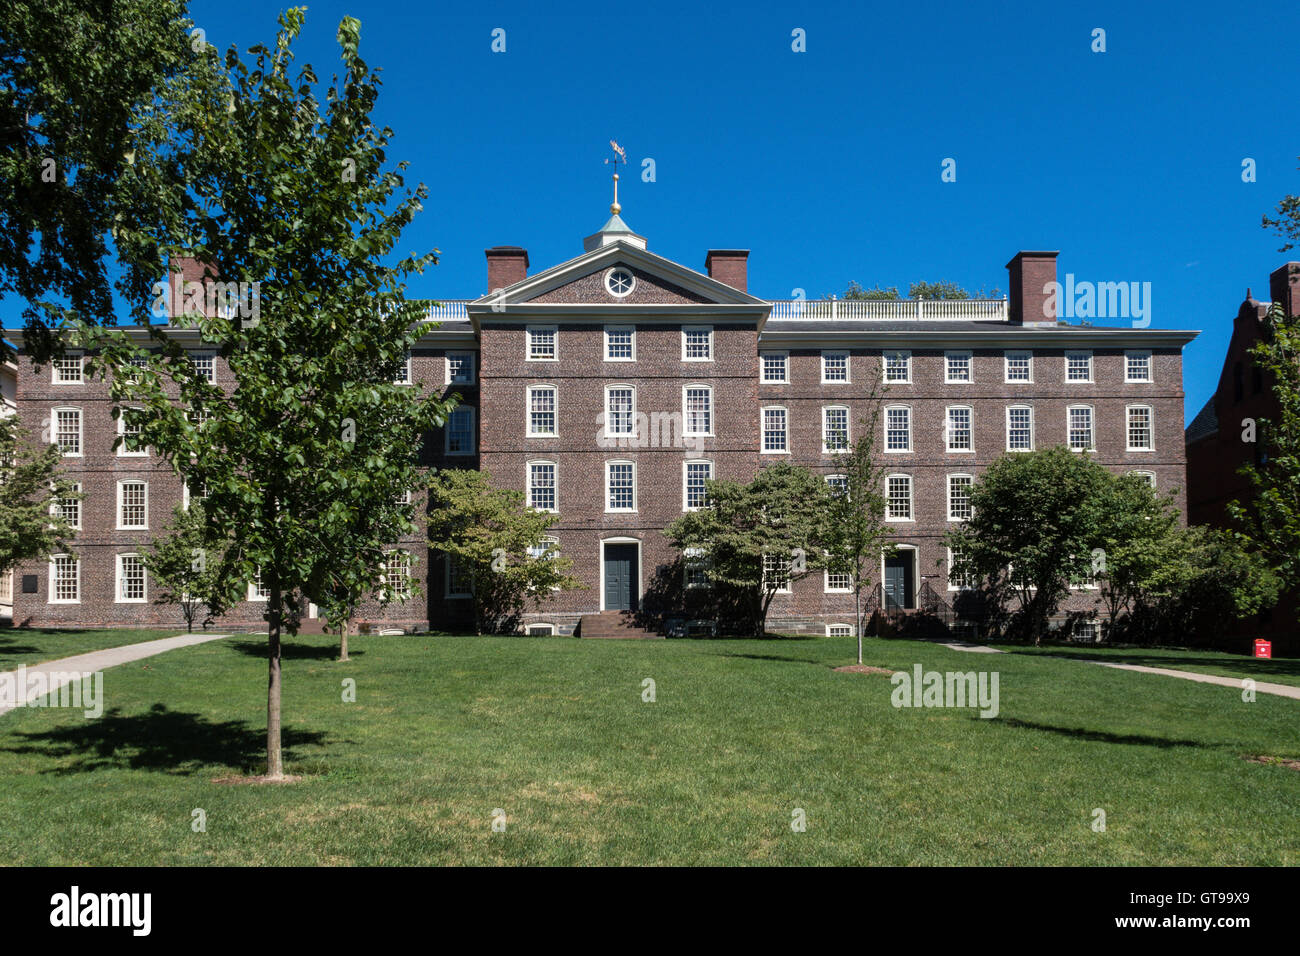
pixel 904 551
pixel 640 566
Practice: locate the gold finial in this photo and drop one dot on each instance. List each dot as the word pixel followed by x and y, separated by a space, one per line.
pixel 620 156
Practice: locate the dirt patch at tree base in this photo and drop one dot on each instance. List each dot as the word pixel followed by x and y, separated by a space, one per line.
pixel 862 669
pixel 1274 761
pixel 254 781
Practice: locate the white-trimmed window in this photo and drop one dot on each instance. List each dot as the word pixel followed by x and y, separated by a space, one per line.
pixel 65 579
pixel 837 582
pixel 620 486
pixel 205 366
pixel 695 476
pixel 1086 581
pixel 1019 366
pixel 456 583
pixel 67 431
pixel 776 571
pixel 620 411
pixel 69 509
pixel 959 435
pixel 542 417
pixel 402 371
pixel 547 548
pixel 898 428
pixel 1150 477
pixel 620 343
pixel 898 366
pixel 1078 366
pixel 835 368
pixel 129 427
pixel 131 584
pixel 898 498
pixel 69 369
pixel 776 435
pixel 835 429
pixel 460 368
pixel 839 484
pixel 540 629
pixel 619 282
pixel 697 343
pixel 959 487
pixel 1079 428
pixel 957 581
pixel 542 486
pixel 697 403
pixel 460 431
pixel 774 368
pixel 188 495
pixel 839 630
pixel 397 575
pixel 1137 366
pixel 695 568
pixel 1140 430
pixel 542 346
pixel 258 590
pixel 132 505
pixel 957 368
pixel 1020 428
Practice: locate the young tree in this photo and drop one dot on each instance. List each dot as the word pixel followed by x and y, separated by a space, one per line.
pixel 1040 513
pixel 186 564
pixel 292 196
pixel 30 483
pixel 1138 543
pixel 497 545
pixel 856 530
pixel 760 537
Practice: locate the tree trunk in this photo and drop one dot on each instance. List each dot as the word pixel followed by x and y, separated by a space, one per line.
pixel 343 638
pixel 857 616
pixel 274 766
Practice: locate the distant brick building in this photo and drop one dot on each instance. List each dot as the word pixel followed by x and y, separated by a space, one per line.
pixel 1217 447
pixel 608 388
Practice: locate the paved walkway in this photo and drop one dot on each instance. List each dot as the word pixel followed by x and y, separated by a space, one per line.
pixel 1281 690
pixel 97 661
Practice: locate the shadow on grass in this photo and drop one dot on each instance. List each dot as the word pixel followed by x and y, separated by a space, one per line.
pixel 164 740
pixel 1099 736
pixel 772 657
pixel 1256 666
pixel 290 651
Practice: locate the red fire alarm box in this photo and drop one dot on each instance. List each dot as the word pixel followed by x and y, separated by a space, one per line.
pixel 1264 649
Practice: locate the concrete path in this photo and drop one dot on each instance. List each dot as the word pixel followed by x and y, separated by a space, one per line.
pixel 65 667
pixel 1281 690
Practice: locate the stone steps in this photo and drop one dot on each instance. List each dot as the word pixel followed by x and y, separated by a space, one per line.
pixel 614 625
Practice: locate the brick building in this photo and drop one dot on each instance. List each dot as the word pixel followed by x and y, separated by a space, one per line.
pixel 611 386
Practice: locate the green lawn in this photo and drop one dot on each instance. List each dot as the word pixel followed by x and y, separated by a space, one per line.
pixel 554 731
pixel 1273 671
pixel 28 646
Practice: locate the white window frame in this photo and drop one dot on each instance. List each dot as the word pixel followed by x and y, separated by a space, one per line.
pixel 848 367
pixel 609 281
pixel 906 355
pixel 911 499
pixel 910 439
pixel 255 594
pixel 406 565
pixel 528 483
pixel 620 328
pixel 528 411
pixel 121 504
pixel 1151 427
pixel 836 480
pixel 81 430
pixel 826 582
pixel 789 584
pixel 948 430
pixel 947 482
pixel 609 489
pixel 1091 367
pixel 969 356
pixel 1092 427
pixel 621 386
pixel 118 597
pixel 830 630
pixel 848 429
pixel 473 432
pixel 1151 366
pixel 1150 476
pixel 1007 356
pixel 785 430
pixel 948 575
pixel 121 433
pixel 81 369
pixel 691 559
pixel 708 330
pixel 468 359
pixel 56 509
pixel 447 592
pixel 686 482
pixel 206 354
pixel 53 589
pixel 784 356
pixel 1032 427
pixel 529 625
pixel 530 331
pixel 686 415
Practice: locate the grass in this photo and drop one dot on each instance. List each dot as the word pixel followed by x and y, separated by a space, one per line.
pixel 1271 670
pixel 28 646
pixel 446 730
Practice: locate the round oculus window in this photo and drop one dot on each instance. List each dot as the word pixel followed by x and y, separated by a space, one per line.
pixel 619 282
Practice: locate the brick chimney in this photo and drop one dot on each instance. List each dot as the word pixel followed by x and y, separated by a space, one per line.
pixel 1032 276
pixel 180 271
pixel 506 266
pixel 1284 287
pixel 729 266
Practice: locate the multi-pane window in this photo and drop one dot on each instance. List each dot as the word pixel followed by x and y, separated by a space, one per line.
pixel 696 567
pixel 699 410
pixel 402 370
pixel 959 487
pixel 130 578
pixel 69 509
pixel 1080 427
pixel 69 370
pixel 397 575
pixel 835 366
pixel 1086 580
pixel 1137 366
pixel 898 428
pixel 839 484
pixel 1148 476
pixel 1139 428
pixel 67 430
pixel 198 416
pixel 1078 366
pixel 541 485
pixel 839 581
pixel 835 428
pixel 259 590
pixel 697 343
pixel 132 504
pixel 957 581
pixel 695 494
pixel 65 579
pixel 958 436
pixel 1020 366
pixel 898 498
pixel 192 490
pixel 620 482
pixel 776 572
pixel 459 584
pixel 1020 428
pixel 460 368
pixel 620 343
pixel 839 630
pixel 541 411
pixel 130 426
pixel 775 367
pixel 898 366
pixel 541 343
pixel 460 431
pixel 957 367
pixel 545 549
pixel 620 410
pixel 775 433
pixel 205 366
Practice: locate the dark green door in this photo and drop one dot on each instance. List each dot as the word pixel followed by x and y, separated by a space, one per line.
pixel 620 577
pixel 898 580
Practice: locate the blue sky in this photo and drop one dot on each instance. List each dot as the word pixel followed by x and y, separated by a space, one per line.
pixel 826 164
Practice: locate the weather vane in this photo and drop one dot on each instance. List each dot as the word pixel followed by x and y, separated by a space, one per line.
pixel 620 156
